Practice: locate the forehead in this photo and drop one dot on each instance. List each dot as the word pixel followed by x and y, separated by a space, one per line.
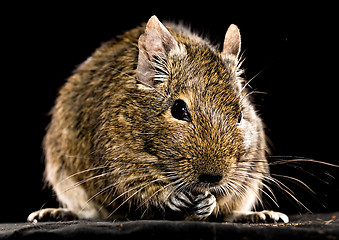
pixel 203 74
pixel 205 61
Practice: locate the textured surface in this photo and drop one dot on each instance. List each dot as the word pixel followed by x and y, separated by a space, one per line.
pixel 316 226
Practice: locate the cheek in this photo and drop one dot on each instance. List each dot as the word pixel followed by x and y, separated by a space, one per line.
pixel 174 128
pixel 249 134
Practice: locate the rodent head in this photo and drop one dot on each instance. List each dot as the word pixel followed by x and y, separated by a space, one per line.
pixel 197 118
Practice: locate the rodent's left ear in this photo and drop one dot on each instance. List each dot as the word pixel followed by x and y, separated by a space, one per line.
pixel 156 41
pixel 232 42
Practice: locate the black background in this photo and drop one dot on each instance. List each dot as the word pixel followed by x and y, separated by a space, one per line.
pixel 294 48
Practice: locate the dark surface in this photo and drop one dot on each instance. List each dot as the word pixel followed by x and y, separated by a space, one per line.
pixel 316 226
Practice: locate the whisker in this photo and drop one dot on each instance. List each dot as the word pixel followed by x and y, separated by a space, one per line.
pixel 81 172
pixel 141 187
pixel 296 180
pixel 179 188
pixel 272 197
pixel 281 186
pixel 112 186
pixel 161 189
pixel 120 182
pixel 250 80
pixel 253 92
pixel 138 80
pixel 299 160
pixel 246 189
pixel 77 184
pixel 285 189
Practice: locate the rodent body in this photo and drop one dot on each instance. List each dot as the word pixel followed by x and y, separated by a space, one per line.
pixel 157 125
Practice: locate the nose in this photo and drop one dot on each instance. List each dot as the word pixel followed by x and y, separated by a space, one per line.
pixel 210 178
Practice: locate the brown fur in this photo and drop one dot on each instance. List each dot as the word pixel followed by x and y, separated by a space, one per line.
pixel 113 149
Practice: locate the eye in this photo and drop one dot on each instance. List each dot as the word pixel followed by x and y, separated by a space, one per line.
pixel 180 111
pixel 239 118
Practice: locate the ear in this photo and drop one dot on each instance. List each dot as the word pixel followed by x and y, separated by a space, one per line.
pixel 157 41
pixel 232 42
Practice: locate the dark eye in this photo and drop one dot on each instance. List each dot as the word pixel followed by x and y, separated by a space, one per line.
pixel 180 111
pixel 240 118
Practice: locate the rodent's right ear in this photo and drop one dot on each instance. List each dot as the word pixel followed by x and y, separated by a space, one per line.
pixel 232 42
pixel 157 41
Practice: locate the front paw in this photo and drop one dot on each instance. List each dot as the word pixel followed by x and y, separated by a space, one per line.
pixel 204 205
pixel 52 214
pixel 181 201
pixel 195 207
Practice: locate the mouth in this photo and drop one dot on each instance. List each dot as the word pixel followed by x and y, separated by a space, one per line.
pixel 201 188
pixel 205 182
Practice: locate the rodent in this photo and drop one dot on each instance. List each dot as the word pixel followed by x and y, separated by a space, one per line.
pixel 157 124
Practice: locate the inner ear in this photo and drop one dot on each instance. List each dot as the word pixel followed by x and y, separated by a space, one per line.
pixel 155 42
pixel 232 42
